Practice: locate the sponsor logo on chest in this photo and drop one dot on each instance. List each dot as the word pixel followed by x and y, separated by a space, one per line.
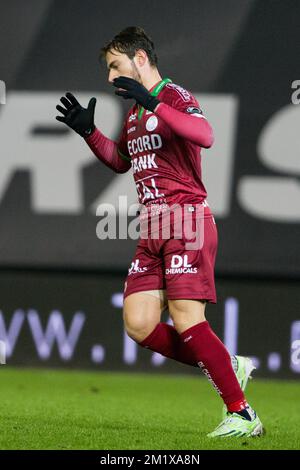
pixel 144 143
pixel 145 162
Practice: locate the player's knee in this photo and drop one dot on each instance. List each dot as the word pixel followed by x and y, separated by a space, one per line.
pixel 137 326
pixel 141 314
pixel 186 313
pixel 182 324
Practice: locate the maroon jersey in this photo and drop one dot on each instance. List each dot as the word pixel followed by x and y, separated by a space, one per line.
pixel 166 167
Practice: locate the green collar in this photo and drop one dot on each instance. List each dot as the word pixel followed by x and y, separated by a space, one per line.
pixel 154 92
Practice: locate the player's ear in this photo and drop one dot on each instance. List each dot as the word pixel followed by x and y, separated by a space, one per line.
pixel 140 58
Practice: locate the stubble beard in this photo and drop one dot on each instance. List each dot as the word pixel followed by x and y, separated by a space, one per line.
pixel 135 73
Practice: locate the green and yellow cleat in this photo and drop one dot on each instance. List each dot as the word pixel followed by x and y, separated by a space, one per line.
pixel 234 425
pixel 243 368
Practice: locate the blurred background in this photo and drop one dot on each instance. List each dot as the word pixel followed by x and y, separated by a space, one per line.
pixel 60 286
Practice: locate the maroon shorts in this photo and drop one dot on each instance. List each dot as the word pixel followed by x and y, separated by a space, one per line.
pixel 183 266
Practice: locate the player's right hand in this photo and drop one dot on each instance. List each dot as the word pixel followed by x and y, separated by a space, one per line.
pixel 80 119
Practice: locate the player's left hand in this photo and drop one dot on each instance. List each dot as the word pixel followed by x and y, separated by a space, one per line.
pixel 131 89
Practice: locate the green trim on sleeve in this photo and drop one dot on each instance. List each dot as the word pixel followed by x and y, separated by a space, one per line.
pixel 154 92
pixel 121 155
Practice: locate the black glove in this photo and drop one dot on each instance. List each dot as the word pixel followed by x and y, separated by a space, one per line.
pixel 80 119
pixel 134 90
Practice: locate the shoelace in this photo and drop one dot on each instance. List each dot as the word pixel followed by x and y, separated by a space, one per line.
pixel 230 418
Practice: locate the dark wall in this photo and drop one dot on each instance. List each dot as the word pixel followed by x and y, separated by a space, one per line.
pixel 240 54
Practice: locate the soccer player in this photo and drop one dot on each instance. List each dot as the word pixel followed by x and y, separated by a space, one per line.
pixel 161 142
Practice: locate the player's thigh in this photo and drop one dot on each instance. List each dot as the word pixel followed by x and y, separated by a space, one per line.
pixel 142 312
pixel 186 313
pixel 189 272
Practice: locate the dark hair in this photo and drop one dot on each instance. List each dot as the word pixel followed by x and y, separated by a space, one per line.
pixel 130 40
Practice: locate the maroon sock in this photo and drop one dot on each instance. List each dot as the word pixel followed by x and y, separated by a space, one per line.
pixel 215 362
pixel 165 340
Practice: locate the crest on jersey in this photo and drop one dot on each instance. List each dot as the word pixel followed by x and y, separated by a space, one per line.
pixel 151 123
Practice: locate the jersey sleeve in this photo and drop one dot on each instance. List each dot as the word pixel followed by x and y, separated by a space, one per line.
pixel 122 143
pixel 106 150
pixel 183 101
pixel 180 111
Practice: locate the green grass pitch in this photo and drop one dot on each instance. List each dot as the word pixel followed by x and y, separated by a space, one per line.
pixel 50 409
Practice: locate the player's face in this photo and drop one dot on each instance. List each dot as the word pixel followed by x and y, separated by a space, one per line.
pixel 120 65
